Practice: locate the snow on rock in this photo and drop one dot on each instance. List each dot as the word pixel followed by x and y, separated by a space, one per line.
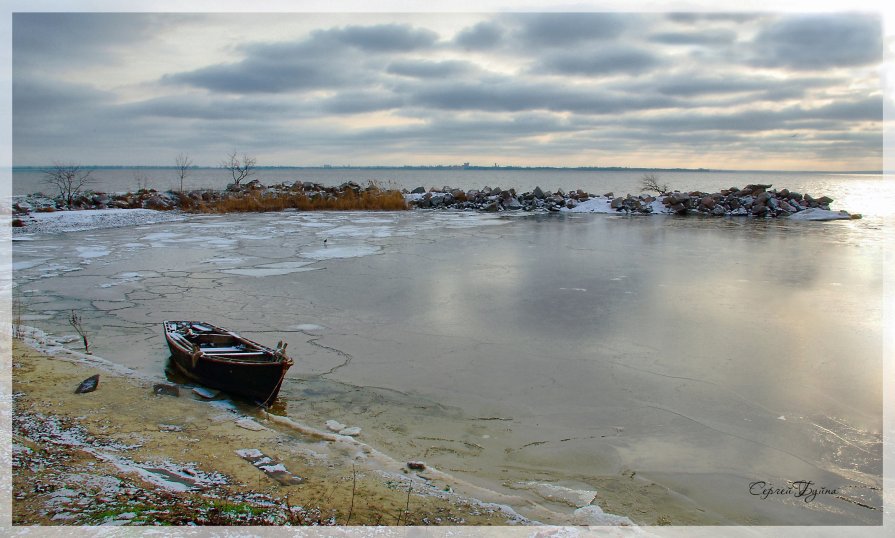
pixel 335 426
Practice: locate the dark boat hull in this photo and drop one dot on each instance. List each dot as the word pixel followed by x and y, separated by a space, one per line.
pixel 257 380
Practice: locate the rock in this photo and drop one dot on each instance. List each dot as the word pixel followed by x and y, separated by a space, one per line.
pixel 708 202
pixel 491 207
pixel 335 426
pixel 88 385
pixel 824 200
pixel 512 204
pixel 617 203
pixel 164 389
pixel 351 431
pixel 538 193
pixel 609 195
pixel 416 465
pixel 680 209
pixel 157 202
pixel 570 203
pixel 718 211
pixel 759 210
pixel 762 198
pixel 418 190
pixel 678 198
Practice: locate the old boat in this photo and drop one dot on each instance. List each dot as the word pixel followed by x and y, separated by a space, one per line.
pixel 223 360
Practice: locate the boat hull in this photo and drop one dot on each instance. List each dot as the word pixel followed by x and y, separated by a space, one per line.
pixel 259 380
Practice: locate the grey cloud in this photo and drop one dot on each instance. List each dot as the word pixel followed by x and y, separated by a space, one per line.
pixel 430 69
pixel 829 117
pixel 692 84
pixel 263 75
pixel 610 60
pixel 357 102
pixel 205 108
pixel 484 35
pixel 52 40
pixel 699 18
pixel 386 37
pixel 810 42
pixel 565 29
pixel 507 96
pixel 326 59
pixel 707 37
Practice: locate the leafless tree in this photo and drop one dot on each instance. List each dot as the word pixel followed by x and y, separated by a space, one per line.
pixel 239 169
pixel 68 179
pixel 183 164
pixel 75 321
pixel 650 183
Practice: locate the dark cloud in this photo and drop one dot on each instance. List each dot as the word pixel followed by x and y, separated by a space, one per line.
pixel 606 61
pixel 430 69
pixel 484 35
pixel 567 29
pixel 812 42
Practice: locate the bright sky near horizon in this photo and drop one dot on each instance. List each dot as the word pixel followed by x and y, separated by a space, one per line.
pixel 715 90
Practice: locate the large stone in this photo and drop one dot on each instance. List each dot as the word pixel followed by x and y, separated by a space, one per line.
pixel 538 193
pixel 418 190
pixel 617 203
pixel 708 202
pixel 512 203
pixel 718 211
pixel 759 210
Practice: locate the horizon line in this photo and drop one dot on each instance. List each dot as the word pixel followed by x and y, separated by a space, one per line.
pixel 466 166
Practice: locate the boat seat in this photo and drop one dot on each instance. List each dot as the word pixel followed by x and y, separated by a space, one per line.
pixel 235 352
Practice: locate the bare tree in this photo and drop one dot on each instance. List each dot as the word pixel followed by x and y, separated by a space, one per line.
pixel 68 179
pixel 239 169
pixel 75 321
pixel 650 183
pixel 183 164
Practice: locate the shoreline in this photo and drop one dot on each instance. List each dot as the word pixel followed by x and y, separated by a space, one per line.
pixel 123 455
pixel 754 201
pixel 170 450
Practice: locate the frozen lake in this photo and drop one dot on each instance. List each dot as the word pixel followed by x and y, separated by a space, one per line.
pixel 705 355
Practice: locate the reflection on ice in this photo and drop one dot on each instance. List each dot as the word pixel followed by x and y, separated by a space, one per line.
pixel 351 251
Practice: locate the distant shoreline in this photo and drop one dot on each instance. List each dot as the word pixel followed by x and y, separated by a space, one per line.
pixel 438 167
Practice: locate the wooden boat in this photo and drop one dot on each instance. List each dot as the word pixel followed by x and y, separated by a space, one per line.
pixel 223 360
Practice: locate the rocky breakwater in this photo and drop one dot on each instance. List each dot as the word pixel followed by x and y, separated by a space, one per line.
pixel 752 200
pixel 186 200
pixel 496 199
pixel 757 201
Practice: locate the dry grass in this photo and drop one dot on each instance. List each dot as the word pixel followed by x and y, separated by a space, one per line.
pixel 367 200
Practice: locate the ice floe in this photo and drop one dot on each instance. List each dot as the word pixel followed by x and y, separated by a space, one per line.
pixel 272 269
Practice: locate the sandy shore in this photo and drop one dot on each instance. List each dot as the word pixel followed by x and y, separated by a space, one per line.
pixel 123 455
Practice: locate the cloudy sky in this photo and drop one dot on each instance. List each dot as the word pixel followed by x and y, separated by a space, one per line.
pixel 714 90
